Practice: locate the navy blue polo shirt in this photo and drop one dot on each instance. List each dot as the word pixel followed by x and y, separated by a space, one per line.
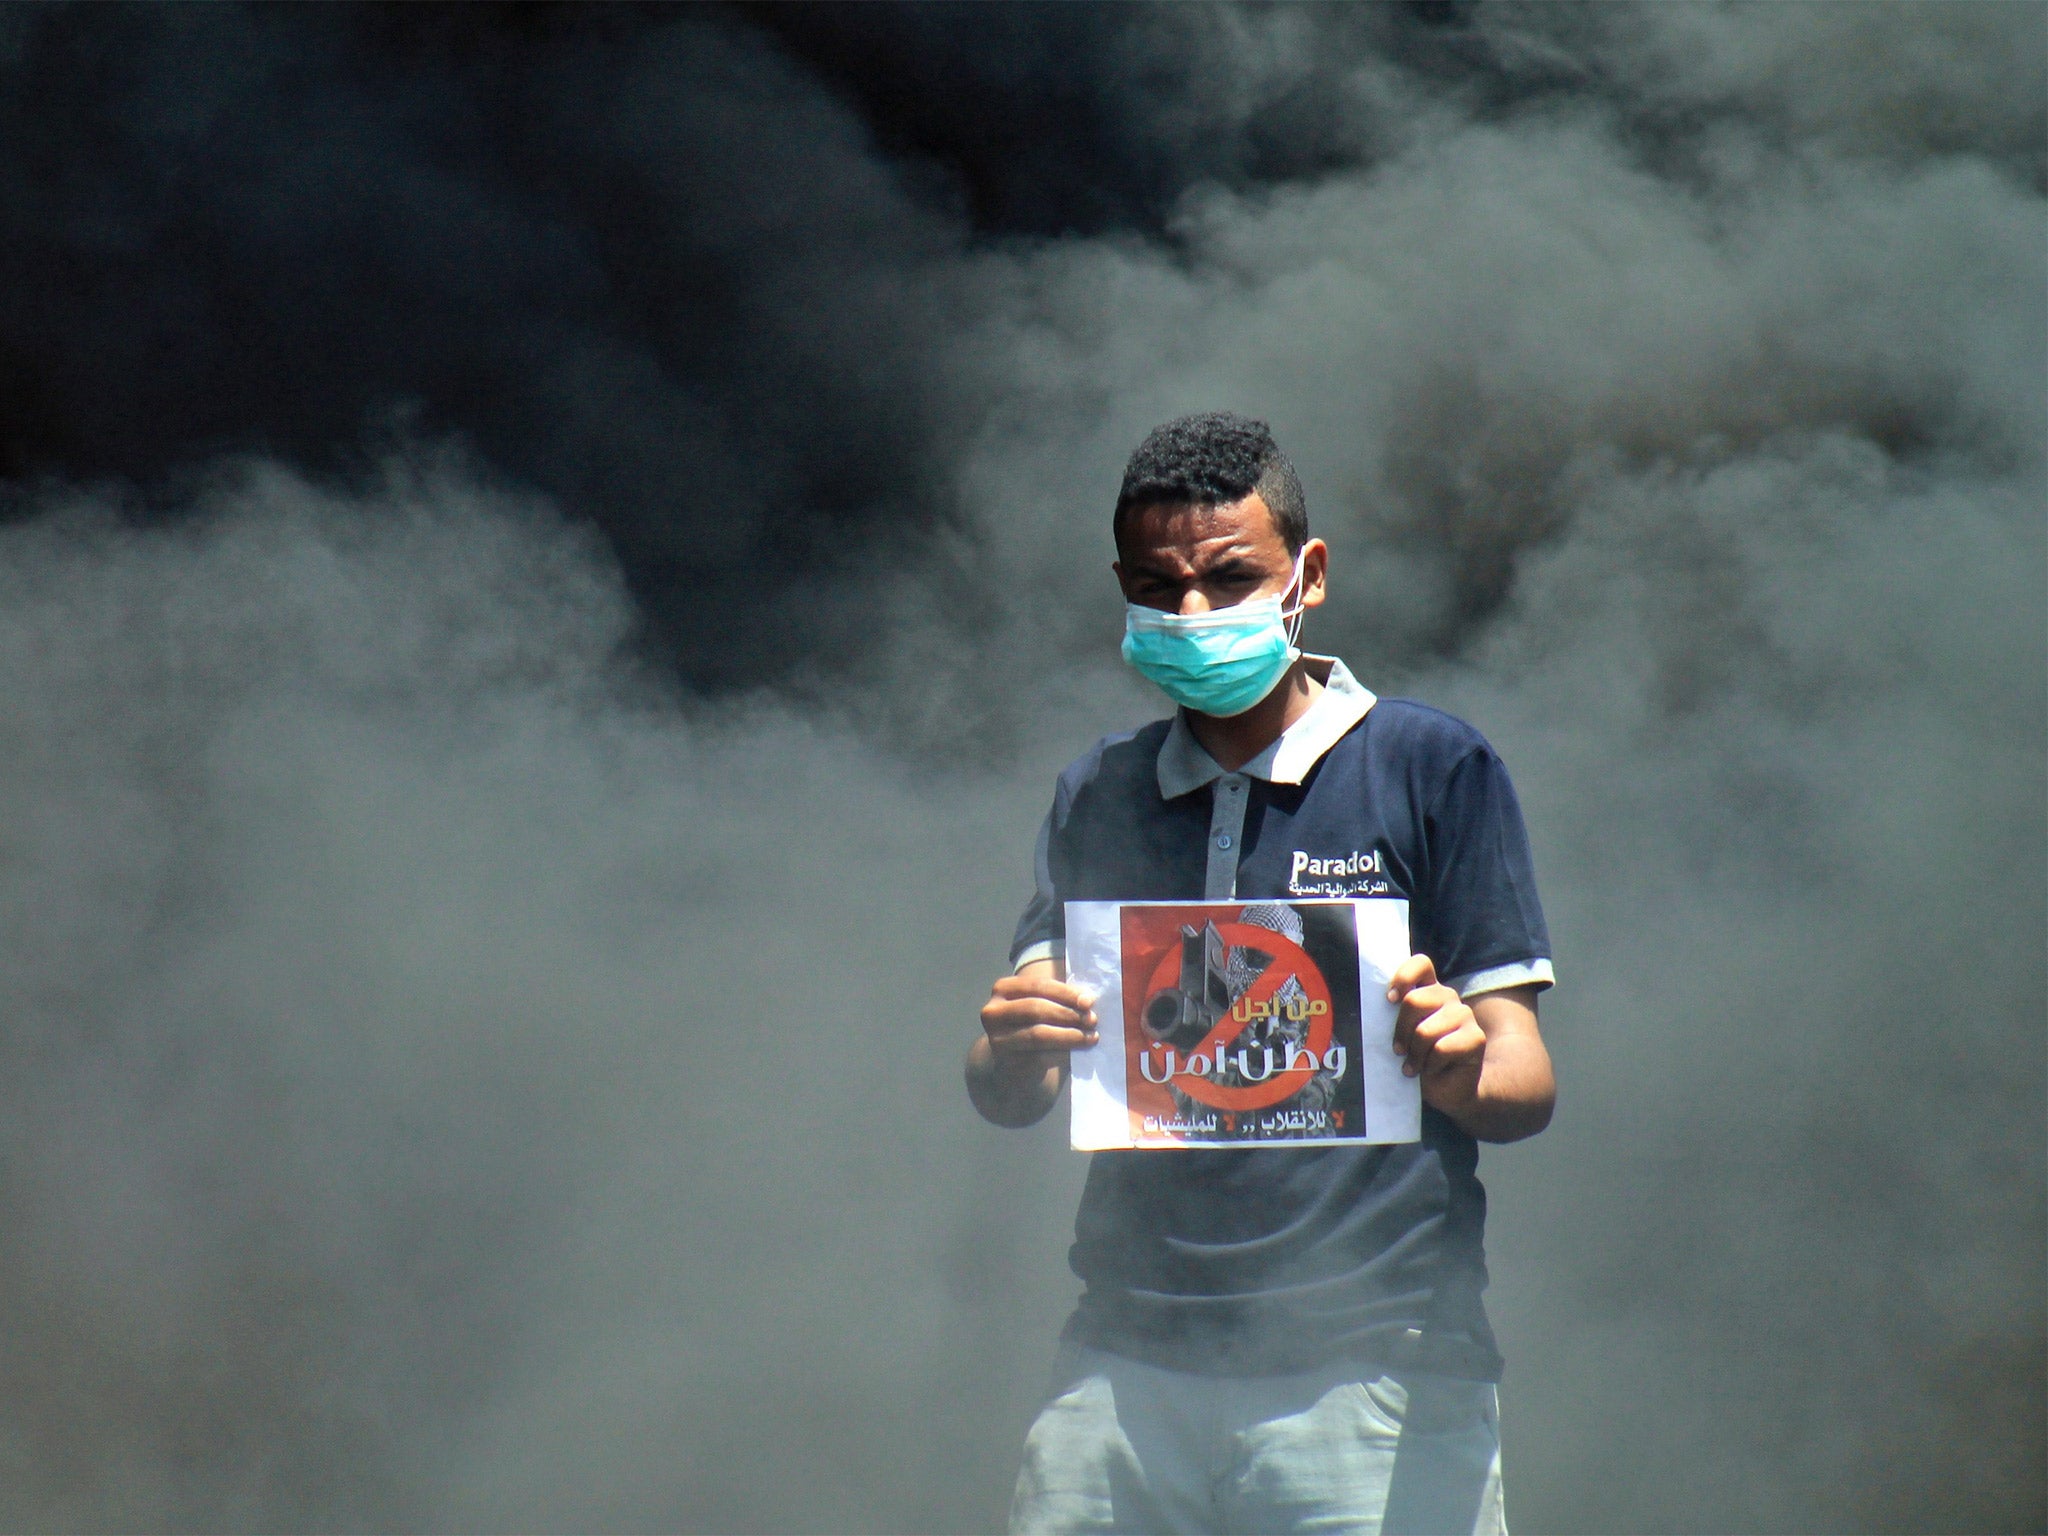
pixel 1272 1259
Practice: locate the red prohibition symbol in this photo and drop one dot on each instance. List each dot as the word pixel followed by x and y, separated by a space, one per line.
pixel 1289 959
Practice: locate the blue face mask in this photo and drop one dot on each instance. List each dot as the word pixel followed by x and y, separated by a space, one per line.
pixel 1218 663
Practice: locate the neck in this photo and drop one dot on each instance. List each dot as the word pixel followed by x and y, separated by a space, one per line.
pixel 1235 741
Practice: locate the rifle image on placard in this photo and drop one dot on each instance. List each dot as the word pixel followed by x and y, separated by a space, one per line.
pixel 1183 1015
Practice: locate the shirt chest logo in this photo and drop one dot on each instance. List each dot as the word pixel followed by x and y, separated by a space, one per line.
pixel 1360 873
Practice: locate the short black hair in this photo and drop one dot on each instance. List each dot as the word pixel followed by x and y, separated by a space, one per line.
pixel 1211 460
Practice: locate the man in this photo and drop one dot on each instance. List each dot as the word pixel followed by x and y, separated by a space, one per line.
pixel 1276 1339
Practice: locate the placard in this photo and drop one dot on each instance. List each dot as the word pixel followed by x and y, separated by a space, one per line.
pixel 1235 1024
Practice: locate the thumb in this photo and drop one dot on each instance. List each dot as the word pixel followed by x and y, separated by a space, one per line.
pixel 1415 971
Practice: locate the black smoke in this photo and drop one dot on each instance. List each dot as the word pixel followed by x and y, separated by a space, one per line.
pixel 693 272
pixel 552 553
pixel 636 260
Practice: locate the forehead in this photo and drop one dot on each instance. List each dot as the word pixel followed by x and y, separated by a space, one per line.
pixel 1180 532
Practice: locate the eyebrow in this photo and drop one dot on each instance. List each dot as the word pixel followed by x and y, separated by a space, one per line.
pixel 1232 561
pixel 1233 565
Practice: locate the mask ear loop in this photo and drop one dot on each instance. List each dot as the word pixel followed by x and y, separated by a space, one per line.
pixel 1294 616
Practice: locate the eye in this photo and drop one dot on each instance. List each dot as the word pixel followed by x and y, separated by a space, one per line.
pixel 1235 578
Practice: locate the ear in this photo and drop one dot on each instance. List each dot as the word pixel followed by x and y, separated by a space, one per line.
pixel 1315 572
pixel 1116 568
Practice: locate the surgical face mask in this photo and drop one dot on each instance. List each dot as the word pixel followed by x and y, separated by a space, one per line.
pixel 1218 663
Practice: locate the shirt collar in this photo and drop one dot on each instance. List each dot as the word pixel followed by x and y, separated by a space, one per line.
pixel 1185 765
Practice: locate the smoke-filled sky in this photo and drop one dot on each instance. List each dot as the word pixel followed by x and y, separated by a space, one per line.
pixel 551 557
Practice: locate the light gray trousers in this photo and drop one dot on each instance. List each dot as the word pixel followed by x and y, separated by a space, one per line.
pixel 1125 1447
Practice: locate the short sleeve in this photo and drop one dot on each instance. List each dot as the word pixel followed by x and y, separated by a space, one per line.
pixel 1484 925
pixel 1042 930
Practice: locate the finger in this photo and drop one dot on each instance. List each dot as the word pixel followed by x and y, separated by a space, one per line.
pixel 1440 1040
pixel 1045 986
pixel 1040 1038
pixel 1417 1006
pixel 1421 1039
pixel 1009 1014
pixel 1069 994
pixel 1003 1020
pixel 1463 1047
pixel 1415 971
pixel 1031 1006
pixel 1462 1050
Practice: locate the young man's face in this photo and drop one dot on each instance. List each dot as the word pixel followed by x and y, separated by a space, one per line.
pixel 1190 560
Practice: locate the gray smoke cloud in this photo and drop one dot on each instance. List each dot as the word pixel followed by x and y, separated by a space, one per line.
pixel 460 1076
